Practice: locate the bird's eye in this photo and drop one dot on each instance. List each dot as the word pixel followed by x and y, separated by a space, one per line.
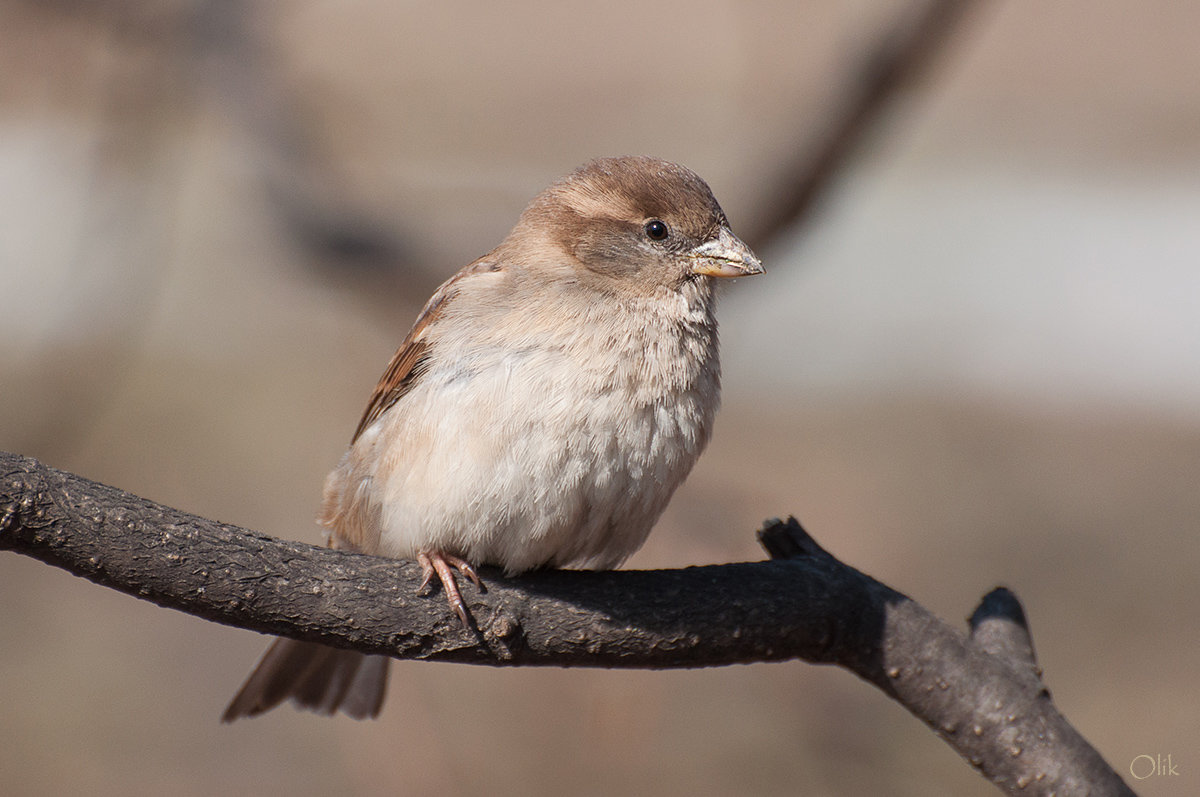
pixel 656 230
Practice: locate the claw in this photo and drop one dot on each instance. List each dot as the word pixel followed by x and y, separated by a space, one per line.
pixel 444 566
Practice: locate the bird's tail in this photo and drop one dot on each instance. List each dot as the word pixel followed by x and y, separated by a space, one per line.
pixel 316 677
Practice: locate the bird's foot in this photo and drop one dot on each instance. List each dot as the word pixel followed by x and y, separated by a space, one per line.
pixel 444 565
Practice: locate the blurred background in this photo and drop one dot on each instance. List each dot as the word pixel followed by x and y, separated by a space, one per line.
pixel 974 361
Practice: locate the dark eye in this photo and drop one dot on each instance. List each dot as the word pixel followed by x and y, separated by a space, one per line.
pixel 656 230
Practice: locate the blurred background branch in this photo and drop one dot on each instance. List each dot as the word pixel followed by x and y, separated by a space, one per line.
pixel 904 51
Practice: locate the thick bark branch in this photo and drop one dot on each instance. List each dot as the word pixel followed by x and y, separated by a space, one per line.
pixel 981 693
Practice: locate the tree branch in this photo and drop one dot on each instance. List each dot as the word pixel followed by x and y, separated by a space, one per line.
pixel 895 62
pixel 981 693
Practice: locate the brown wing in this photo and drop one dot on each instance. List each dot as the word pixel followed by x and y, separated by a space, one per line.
pixel 408 361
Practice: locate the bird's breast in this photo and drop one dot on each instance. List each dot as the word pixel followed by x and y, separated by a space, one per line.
pixel 532 449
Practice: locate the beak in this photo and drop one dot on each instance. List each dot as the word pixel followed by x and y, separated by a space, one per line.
pixel 724 256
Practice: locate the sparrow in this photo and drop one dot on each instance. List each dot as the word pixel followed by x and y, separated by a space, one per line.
pixel 547 402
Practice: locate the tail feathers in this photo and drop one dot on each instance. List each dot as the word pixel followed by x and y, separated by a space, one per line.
pixel 317 678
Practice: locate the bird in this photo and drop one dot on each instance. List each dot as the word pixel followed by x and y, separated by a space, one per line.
pixel 547 402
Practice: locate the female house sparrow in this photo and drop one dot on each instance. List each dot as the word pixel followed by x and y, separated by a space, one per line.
pixel 546 404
